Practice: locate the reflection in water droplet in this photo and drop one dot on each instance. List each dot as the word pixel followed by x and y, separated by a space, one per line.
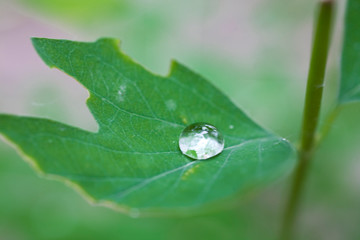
pixel 201 141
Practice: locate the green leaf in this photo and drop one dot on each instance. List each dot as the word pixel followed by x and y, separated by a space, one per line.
pixel 134 161
pixel 350 64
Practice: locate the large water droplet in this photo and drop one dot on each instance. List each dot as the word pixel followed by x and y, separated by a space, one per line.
pixel 201 141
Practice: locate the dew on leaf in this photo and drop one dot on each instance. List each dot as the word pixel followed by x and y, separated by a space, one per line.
pixel 121 92
pixel 170 104
pixel 201 141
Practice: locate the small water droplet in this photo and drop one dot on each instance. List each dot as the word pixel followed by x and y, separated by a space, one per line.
pixel 201 141
pixel 170 104
pixel 231 126
pixel 121 93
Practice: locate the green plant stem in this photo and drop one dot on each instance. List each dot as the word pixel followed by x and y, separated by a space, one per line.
pixel 314 90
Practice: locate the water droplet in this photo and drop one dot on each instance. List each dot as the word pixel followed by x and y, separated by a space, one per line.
pixel 121 93
pixel 231 126
pixel 201 141
pixel 170 104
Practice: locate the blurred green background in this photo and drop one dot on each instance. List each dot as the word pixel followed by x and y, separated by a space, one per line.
pixel 257 52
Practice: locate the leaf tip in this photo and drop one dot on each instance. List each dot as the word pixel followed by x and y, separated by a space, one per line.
pixel 34 40
pixel 180 71
pixel 39 44
pixel 113 41
pixel 175 67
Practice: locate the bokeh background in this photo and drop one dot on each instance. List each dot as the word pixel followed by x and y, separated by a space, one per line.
pixel 257 52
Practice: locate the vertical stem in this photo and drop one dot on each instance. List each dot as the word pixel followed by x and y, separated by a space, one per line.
pixel 314 90
pixel 316 74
